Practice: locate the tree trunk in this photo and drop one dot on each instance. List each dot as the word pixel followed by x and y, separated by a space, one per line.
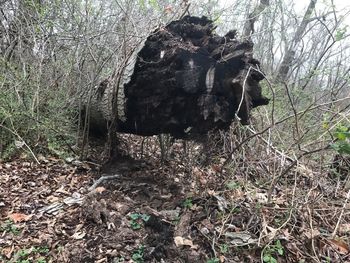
pixel 290 51
pixel 248 29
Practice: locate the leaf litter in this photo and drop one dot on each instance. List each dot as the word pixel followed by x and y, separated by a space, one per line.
pixel 182 211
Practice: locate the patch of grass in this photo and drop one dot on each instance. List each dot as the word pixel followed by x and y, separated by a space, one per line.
pixel 21 256
pixel 10 227
pixel 213 260
pixel 280 219
pixel 30 255
pixel 41 250
pixel 235 210
pixel 270 252
pixel 342 145
pixel 60 249
pixel 118 260
pixel 232 185
pixel 187 203
pixel 41 260
pixel 224 248
pixel 176 220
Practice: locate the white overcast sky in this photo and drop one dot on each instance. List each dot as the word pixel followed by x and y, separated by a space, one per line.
pixel 343 6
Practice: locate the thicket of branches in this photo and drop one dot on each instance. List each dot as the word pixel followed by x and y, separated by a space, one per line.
pixel 53 54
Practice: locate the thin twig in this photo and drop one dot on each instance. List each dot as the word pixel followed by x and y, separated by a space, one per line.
pixel 22 140
pixel 185 11
pixel 230 154
pixel 295 115
pixel 272 92
pixel 341 215
pixel 312 234
pixel 102 179
pixel 275 180
pixel 243 93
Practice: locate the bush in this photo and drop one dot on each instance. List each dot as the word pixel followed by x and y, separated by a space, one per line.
pixel 31 116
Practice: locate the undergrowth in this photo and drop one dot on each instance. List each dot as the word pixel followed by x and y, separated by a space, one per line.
pixel 33 119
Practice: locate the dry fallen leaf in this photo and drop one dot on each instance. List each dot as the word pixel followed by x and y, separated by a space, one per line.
pixel 100 189
pixel 312 233
pixel 79 235
pixel 7 251
pixel 168 9
pixel 340 245
pixel 344 228
pixel 52 199
pixel 18 217
pixel 261 198
pixel 211 192
pixel 62 191
pixel 241 238
pixel 216 168
pixel 180 241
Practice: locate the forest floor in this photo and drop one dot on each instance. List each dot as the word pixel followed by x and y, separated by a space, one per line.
pixel 177 211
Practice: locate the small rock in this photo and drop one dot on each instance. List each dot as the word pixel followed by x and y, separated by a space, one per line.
pixel 204 230
pixel 31 184
pixel 76 195
pixel 69 159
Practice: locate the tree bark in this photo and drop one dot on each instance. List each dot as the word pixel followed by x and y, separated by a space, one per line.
pixel 290 51
pixel 248 29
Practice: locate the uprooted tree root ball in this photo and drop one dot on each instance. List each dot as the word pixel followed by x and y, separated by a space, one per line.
pixel 185 80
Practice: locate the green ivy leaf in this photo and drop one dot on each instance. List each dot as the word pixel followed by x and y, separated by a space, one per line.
pixel 134 225
pixel 134 216
pixel 267 258
pixel 145 217
pixel 341 135
pixel 340 34
pixel 342 132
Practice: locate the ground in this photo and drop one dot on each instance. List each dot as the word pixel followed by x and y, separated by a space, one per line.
pixel 178 210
